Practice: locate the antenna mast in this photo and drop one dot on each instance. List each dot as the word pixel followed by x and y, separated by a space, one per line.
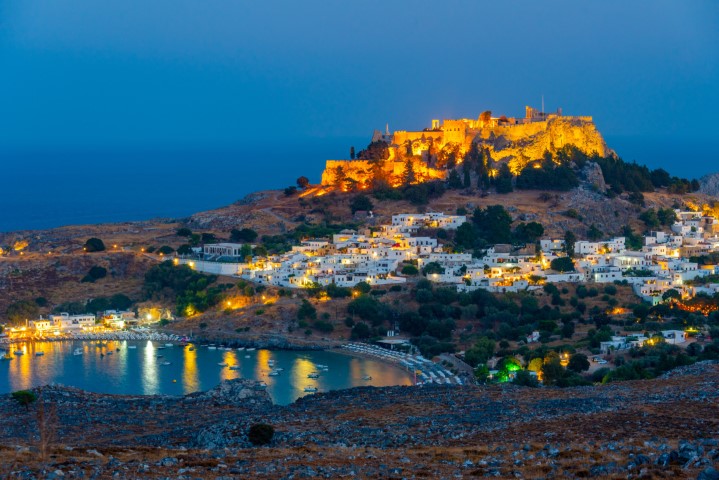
pixel 542 104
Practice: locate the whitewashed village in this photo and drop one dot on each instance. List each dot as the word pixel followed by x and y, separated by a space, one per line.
pixel 377 257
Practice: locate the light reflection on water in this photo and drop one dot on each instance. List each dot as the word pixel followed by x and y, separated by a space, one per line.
pixel 104 368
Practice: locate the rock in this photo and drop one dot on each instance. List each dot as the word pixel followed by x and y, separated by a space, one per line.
pixel 168 462
pixel 709 473
pixel 709 184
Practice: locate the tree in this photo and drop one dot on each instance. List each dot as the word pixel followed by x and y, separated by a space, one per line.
pixel 361 330
pixel 503 182
pixel 569 240
pixel 670 294
pixel 95 273
pixel 352 153
pixel 481 352
pixel 552 370
pixel 260 434
pixel 409 270
pixel 562 264
pixel 165 250
pixel 525 379
pixel 245 235
pixel 361 202
pixel 494 224
pixel 594 233
pixel 183 232
pixel 409 175
pixel 467 236
pixel 454 182
pixel 528 232
pixel 184 249
pixel 24 398
pixel 94 245
pixel 362 287
pixel 578 363
pixel 306 311
pixel 291 190
pixel 303 182
pixel 22 310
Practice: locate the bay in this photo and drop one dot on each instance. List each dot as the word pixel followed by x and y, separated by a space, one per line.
pixel 114 368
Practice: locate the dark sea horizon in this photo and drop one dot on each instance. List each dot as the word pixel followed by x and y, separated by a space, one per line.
pixel 47 189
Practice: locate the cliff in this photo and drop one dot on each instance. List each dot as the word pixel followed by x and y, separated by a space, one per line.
pixel 519 144
pixel 433 152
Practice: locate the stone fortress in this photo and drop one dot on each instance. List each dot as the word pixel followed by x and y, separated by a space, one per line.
pixel 515 141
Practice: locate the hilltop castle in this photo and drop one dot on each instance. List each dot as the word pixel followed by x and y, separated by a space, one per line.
pixel 438 148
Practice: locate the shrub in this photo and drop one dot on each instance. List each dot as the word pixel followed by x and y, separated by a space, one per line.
pixel 95 273
pixel 562 264
pixel 323 326
pixel 24 398
pixel 409 270
pixel 183 232
pixel 261 434
pixel 94 245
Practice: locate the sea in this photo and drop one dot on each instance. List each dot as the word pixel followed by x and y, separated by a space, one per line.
pixel 42 189
pixel 150 368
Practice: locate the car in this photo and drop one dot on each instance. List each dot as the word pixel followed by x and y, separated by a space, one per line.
pixel 602 362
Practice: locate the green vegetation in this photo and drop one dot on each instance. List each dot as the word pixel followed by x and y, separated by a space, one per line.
pixel 190 290
pixel 24 398
pixel 95 273
pixel 245 235
pixel 18 312
pixel 361 202
pixel 94 245
pixel 260 434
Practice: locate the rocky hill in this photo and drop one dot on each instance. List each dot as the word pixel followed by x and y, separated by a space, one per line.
pixel 710 185
pixel 663 428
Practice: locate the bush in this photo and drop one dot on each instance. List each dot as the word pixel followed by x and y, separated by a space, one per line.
pixel 183 232
pixel 306 310
pixel 260 434
pixel 24 398
pixel 95 273
pixel 525 379
pixel 324 326
pixel 94 245
pixel 361 331
pixel 562 264
pixel 409 270
pixel 165 250
pixel 361 202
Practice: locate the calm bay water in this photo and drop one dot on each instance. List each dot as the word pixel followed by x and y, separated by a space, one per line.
pixel 140 371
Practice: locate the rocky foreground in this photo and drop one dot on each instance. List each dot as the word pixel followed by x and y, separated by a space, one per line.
pixel 664 428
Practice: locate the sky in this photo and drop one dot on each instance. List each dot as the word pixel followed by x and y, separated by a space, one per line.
pixel 133 75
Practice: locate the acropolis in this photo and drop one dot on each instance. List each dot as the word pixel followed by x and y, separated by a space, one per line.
pixel 440 147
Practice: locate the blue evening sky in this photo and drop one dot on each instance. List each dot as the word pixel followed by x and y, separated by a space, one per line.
pixel 313 77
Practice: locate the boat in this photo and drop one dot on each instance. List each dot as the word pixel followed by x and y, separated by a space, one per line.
pixel 262 385
pixel 240 349
pixel 313 375
pixel 270 362
pixel 247 356
pixel 169 345
pixel 274 373
pixel 222 364
pixel 161 348
pixel 279 369
pixel 132 346
pixel 6 357
pixel 319 365
pixel 212 347
pixel 109 353
pixel 311 389
pixel 39 354
pixel 192 349
pixel 77 351
pixel 366 377
pixel 252 349
pixel 19 352
pixel 160 356
pixel 166 363
pixel 235 367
